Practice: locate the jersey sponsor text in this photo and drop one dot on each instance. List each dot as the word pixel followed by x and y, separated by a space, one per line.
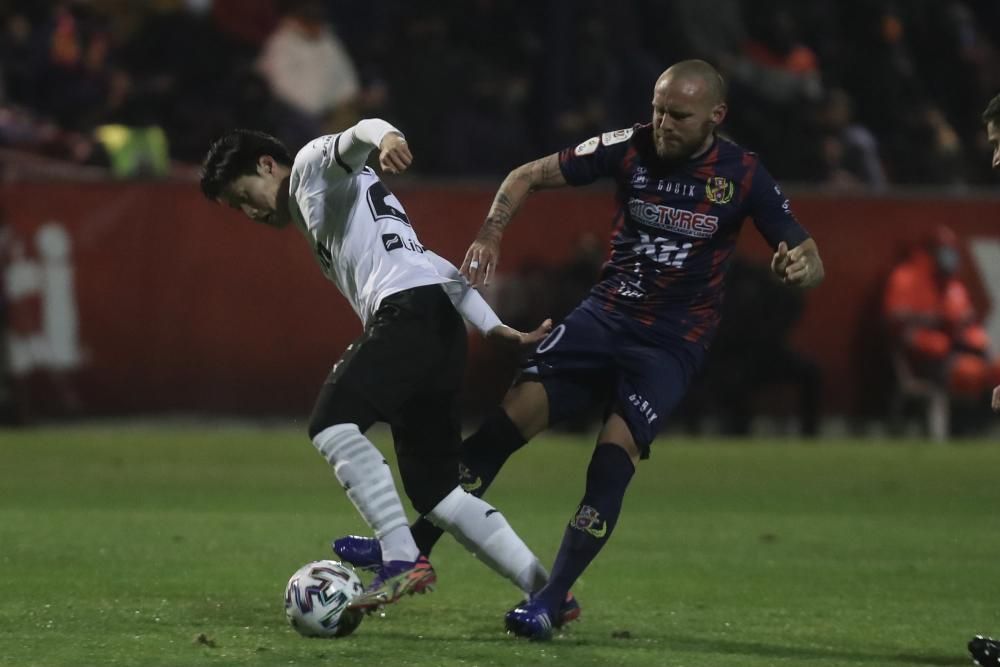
pixel 661 216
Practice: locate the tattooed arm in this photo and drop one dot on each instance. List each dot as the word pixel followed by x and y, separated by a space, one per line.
pixel 484 253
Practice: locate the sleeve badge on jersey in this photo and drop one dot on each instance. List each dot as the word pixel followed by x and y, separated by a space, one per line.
pixel 587 147
pixel 719 190
pixel 616 137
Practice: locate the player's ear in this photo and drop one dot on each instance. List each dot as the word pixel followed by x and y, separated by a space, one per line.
pixel 265 165
pixel 719 113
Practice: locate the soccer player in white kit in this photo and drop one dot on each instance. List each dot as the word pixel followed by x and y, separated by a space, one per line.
pixel 406 369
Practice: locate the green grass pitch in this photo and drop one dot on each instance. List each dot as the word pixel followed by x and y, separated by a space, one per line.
pixel 121 546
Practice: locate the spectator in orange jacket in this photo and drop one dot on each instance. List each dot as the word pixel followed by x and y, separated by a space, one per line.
pixel 931 317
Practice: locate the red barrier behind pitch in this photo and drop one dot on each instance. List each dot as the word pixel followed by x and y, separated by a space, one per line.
pixel 166 302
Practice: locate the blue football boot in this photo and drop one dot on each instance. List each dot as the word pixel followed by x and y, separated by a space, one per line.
pixel 364 553
pixel 531 620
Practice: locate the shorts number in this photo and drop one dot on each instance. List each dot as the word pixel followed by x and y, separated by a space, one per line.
pixel 550 341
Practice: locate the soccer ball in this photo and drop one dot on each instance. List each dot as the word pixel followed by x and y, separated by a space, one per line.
pixel 317 596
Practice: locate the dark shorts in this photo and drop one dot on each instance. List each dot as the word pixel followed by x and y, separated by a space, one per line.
pixel 405 370
pixel 596 357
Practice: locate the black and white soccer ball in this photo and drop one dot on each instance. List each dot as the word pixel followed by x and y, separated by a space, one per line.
pixel 317 596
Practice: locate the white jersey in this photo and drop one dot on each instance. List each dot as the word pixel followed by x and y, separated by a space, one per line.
pixel 359 231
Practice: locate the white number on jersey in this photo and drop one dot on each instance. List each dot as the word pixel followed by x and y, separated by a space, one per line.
pixel 662 250
pixel 383 204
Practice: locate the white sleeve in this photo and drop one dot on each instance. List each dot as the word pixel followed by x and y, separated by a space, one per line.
pixel 352 146
pixel 335 157
pixel 468 301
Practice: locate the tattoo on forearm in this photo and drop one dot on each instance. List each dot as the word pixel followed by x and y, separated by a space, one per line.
pixel 518 184
pixel 550 173
pixel 500 213
pixel 503 206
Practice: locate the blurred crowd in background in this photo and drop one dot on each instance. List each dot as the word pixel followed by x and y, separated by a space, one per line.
pixel 846 96
pixel 849 95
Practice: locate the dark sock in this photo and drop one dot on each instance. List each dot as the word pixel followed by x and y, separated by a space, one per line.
pixel 485 451
pixel 483 454
pixel 608 476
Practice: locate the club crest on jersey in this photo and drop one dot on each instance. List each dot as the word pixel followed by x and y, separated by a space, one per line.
pixel 719 190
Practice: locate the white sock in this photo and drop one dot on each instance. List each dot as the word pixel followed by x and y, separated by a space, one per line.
pixel 365 475
pixel 485 532
pixel 398 544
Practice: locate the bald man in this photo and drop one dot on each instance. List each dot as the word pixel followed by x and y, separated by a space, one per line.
pixel 986 650
pixel 636 342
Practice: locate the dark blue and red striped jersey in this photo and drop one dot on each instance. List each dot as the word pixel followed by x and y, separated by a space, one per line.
pixel 676 227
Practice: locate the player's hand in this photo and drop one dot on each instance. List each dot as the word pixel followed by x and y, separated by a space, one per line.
pixel 507 334
pixel 804 268
pixel 799 267
pixel 779 262
pixel 481 259
pixel 996 400
pixel 395 156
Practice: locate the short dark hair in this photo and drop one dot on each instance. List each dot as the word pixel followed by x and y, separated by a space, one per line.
pixel 992 113
pixel 235 154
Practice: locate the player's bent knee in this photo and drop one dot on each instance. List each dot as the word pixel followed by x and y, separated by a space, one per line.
pixel 527 406
pixel 322 420
pixel 316 427
pixel 331 440
pixel 616 431
pixel 339 407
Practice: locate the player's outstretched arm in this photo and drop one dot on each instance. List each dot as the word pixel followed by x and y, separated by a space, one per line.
pixel 484 253
pixel 506 334
pixel 474 309
pixel 799 267
pixel 996 399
